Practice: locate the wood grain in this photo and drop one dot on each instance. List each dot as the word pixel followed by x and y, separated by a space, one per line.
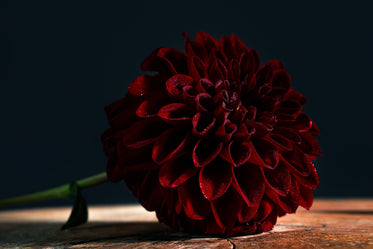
pixel 329 224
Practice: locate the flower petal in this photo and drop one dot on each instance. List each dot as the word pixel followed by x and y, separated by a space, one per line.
pixel 227 217
pixel 227 48
pixel 205 151
pixel 215 178
pixel 309 144
pixel 236 153
pixel 171 143
pixel 249 62
pixel 281 78
pixel 149 107
pixel 290 202
pixel 151 192
pixel 311 181
pixel 147 85
pixel 165 59
pixel 264 154
pixel 278 179
pixel 176 114
pixel 197 68
pixel 281 143
pixel 249 182
pixel 194 203
pixel 121 113
pixel 264 74
pixel 248 213
pixel 189 95
pixel 206 86
pixel 288 134
pixel 238 45
pixel 175 84
pixel 226 130
pixel 297 162
pixel 260 129
pixel 207 40
pixel 204 103
pixel 202 124
pixel 176 171
pixel 143 132
pixel 306 197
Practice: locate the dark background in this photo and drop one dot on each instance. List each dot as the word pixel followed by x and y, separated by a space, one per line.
pixel 63 61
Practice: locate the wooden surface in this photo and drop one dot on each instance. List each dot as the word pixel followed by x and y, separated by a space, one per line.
pixel 329 224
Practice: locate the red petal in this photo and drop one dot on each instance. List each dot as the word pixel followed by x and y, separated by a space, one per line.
pixel 265 208
pixel 249 62
pixel 205 151
pixel 170 59
pixel 264 75
pixel 143 132
pixel 226 130
pixel 189 95
pixel 204 102
pixel 239 114
pixel 176 114
pixel 175 172
pixel 128 157
pixel 264 153
pixel 197 68
pixel 278 179
pixel 207 40
pixel 202 124
pixel 217 71
pixel 288 134
pixel 275 64
pixel 311 181
pixel 281 143
pixel 249 182
pixel 215 178
pixel 175 84
pixel 260 129
pixel 314 130
pixel 281 78
pixel 150 107
pixel 171 143
pixel 302 123
pixel 297 161
pixel 146 85
pixel 151 192
pixel 236 153
pixel 134 181
pixel 243 134
pixel 248 213
pixel 309 144
pixel 206 86
pixel 290 202
pixel 122 113
pixel 194 203
pixel 238 45
pixel 227 208
pixel 306 197
pixel 227 48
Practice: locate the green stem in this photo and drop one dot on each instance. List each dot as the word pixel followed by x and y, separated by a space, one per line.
pixel 62 191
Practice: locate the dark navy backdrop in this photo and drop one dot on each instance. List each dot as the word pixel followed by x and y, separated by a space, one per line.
pixel 63 61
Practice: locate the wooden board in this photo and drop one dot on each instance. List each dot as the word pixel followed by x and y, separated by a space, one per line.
pixel 329 224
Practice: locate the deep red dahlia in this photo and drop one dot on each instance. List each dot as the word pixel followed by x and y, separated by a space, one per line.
pixel 214 142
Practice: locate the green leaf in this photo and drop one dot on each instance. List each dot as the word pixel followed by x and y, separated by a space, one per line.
pixel 79 213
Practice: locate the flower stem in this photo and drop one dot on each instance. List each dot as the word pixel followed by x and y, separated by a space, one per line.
pixel 62 191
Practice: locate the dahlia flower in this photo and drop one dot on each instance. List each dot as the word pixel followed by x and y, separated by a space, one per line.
pixel 213 141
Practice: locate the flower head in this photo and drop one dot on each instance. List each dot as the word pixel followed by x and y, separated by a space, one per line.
pixel 214 142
